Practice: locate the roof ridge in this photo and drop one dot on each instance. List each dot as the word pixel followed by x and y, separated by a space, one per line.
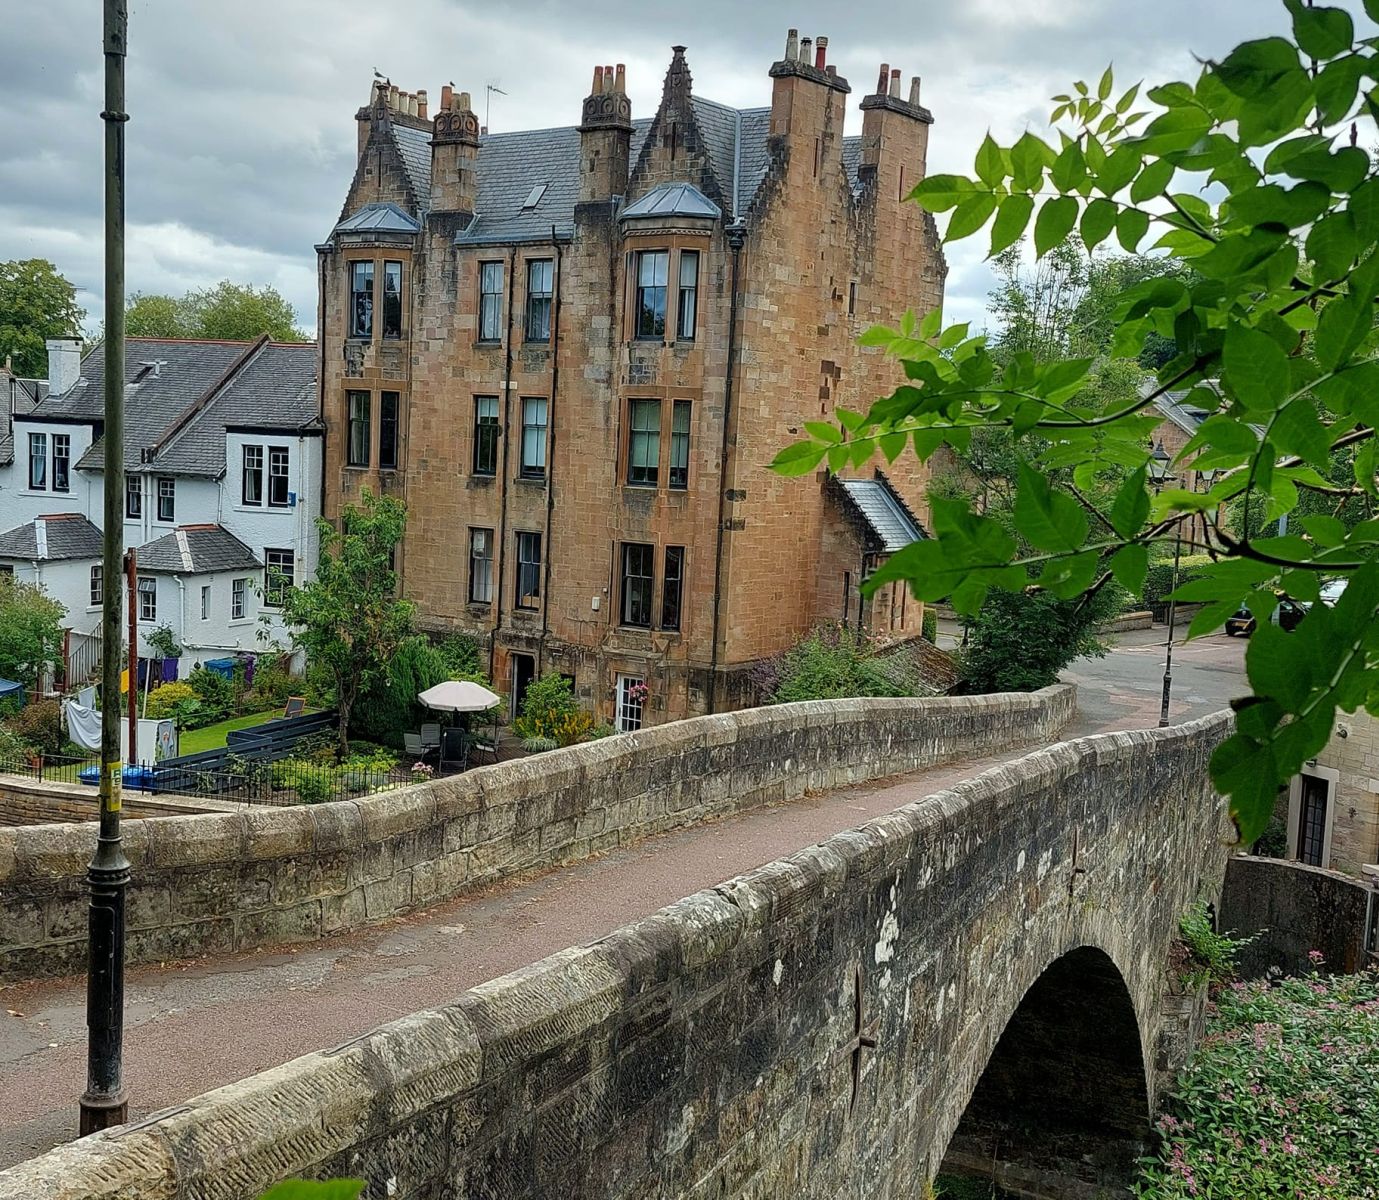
pixel 202 403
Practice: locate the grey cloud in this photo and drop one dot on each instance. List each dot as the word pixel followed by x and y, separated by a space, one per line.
pixel 242 138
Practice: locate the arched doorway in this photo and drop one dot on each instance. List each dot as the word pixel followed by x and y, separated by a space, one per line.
pixel 1061 1111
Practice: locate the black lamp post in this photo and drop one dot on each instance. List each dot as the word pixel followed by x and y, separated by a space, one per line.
pixel 1159 477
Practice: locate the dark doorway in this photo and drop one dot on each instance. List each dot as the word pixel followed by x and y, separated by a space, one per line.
pixel 1062 1107
pixel 1312 805
pixel 523 672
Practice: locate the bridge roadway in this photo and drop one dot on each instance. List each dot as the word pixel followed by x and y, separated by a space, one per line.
pixel 197 1025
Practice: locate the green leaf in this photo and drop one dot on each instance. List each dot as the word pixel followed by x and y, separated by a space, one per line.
pixel 1252 69
pixel 1245 769
pixel 1124 103
pixel 1130 566
pixel 1272 204
pixel 1332 245
pixel 822 431
pixel 1153 180
pixel 893 444
pixel 1103 89
pixel 799 458
pixel 1069 168
pixel 1028 158
pixel 1298 430
pixel 1130 509
pixel 1120 168
pixel 990 165
pixel 1256 367
pixel 1364 209
pixel 1325 530
pixel 1131 226
pixel 1240 253
pixel 1343 325
pixel 1337 85
pixel 969 217
pixel 1176 130
pixel 1323 32
pixel 939 193
pixel 1340 171
pixel 1048 519
pixel 1054 222
pixel 1012 217
pixel 1098 220
pixel 1276 668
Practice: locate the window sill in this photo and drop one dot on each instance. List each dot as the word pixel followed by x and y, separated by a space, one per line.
pixel 480 608
pixel 483 476
pixel 537 479
pixel 358 467
pixel 483 344
pixel 239 622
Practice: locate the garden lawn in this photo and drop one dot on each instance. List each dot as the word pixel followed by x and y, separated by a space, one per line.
pixel 212 737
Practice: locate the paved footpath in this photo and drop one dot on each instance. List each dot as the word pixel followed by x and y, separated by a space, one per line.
pixel 195 1026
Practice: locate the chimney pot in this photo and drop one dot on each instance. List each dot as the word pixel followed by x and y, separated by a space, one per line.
pixel 792 45
pixel 914 90
pixel 895 83
pixel 821 52
pixel 598 82
pixel 394 97
pixel 884 80
pixel 620 79
pixel 447 94
pixel 806 50
pixel 464 102
pixel 421 102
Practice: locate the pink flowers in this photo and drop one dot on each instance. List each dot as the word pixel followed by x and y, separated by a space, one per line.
pixel 1316 957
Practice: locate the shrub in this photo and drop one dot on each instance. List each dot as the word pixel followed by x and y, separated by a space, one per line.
pixel 460 653
pixel 177 700
pixel 1159 580
pixel 313 784
pixel 929 630
pixel 829 663
pixel 13 748
pixel 539 745
pixel 39 725
pixel 273 682
pixel 215 693
pixel 550 711
pixel 1279 1098
pixel 388 708
pixel 1021 640
pixel 1210 955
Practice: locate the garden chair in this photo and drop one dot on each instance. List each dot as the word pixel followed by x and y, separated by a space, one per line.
pixel 454 754
pixel 411 744
pixel 431 736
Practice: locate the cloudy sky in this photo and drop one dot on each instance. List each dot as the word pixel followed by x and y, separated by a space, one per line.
pixel 241 143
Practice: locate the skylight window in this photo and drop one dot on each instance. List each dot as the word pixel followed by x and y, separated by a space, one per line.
pixel 534 196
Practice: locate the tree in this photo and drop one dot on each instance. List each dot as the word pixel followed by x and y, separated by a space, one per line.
pixel 36 303
pixel 1273 326
pixel 228 312
pixel 30 630
pixel 349 619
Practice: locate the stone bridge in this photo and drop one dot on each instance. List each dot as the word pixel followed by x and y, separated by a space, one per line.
pixel 974 983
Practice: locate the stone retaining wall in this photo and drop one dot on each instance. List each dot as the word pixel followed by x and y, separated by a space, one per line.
pixel 35 802
pixel 225 882
pixel 1290 909
pixel 706 1051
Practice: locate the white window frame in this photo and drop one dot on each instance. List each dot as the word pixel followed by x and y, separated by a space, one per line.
pixel 97 585
pixel 239 592
pixel 39 442
pixel 205 601
pixel 170 495
pixel 148 599
pixel 628 712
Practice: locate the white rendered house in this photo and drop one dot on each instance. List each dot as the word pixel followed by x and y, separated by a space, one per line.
pixel 223 482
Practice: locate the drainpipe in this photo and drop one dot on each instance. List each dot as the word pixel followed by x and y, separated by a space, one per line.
pixel 503 481
pixel 737 233
pixel 321 370
pixel 550 459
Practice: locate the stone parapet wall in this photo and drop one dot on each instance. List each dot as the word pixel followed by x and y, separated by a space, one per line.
pixel 219 883
pixel 38 802
pixel 703 1052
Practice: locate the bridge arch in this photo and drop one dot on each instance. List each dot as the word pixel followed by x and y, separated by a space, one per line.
pixel 1062 1108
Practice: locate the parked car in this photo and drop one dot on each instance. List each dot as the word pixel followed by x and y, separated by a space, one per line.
pixel 1331 592
pixel 1287 615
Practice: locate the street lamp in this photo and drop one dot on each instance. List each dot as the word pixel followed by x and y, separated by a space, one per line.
pixel 1159 477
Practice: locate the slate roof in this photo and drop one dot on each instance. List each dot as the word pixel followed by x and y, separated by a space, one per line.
pixel 181 396
pixel 379 218
pixel 673 200
pixel 51 538
pixel 883 511
pixel 511 164
pixel 23 395
pixel 196 550
pixel 1186 416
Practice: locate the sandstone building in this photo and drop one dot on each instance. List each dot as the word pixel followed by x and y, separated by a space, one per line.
pixel 574 351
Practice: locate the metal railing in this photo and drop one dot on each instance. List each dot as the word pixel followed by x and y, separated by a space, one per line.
pixel 232 780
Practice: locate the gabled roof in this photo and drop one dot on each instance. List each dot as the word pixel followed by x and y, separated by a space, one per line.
pixel 1187 417
pixel 379 218
pixel 890 522
pixel 196 550
pixel 510 165
pixel 181 396
pixel 673 200
pixel 51 538
pixel 23 395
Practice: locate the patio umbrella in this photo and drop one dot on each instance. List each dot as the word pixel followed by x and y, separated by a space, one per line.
pixel 458 695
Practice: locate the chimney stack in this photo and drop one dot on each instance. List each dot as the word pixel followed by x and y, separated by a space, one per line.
pixel 605 137
pixel 895 83
pixel 895 137
pixel 820 53
pixel 792 45
pixel 798 111
pixel 914 90
pixel 421 102
pixel 806 50
pixel 884 79
pixel 454 150
pixel 64 364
